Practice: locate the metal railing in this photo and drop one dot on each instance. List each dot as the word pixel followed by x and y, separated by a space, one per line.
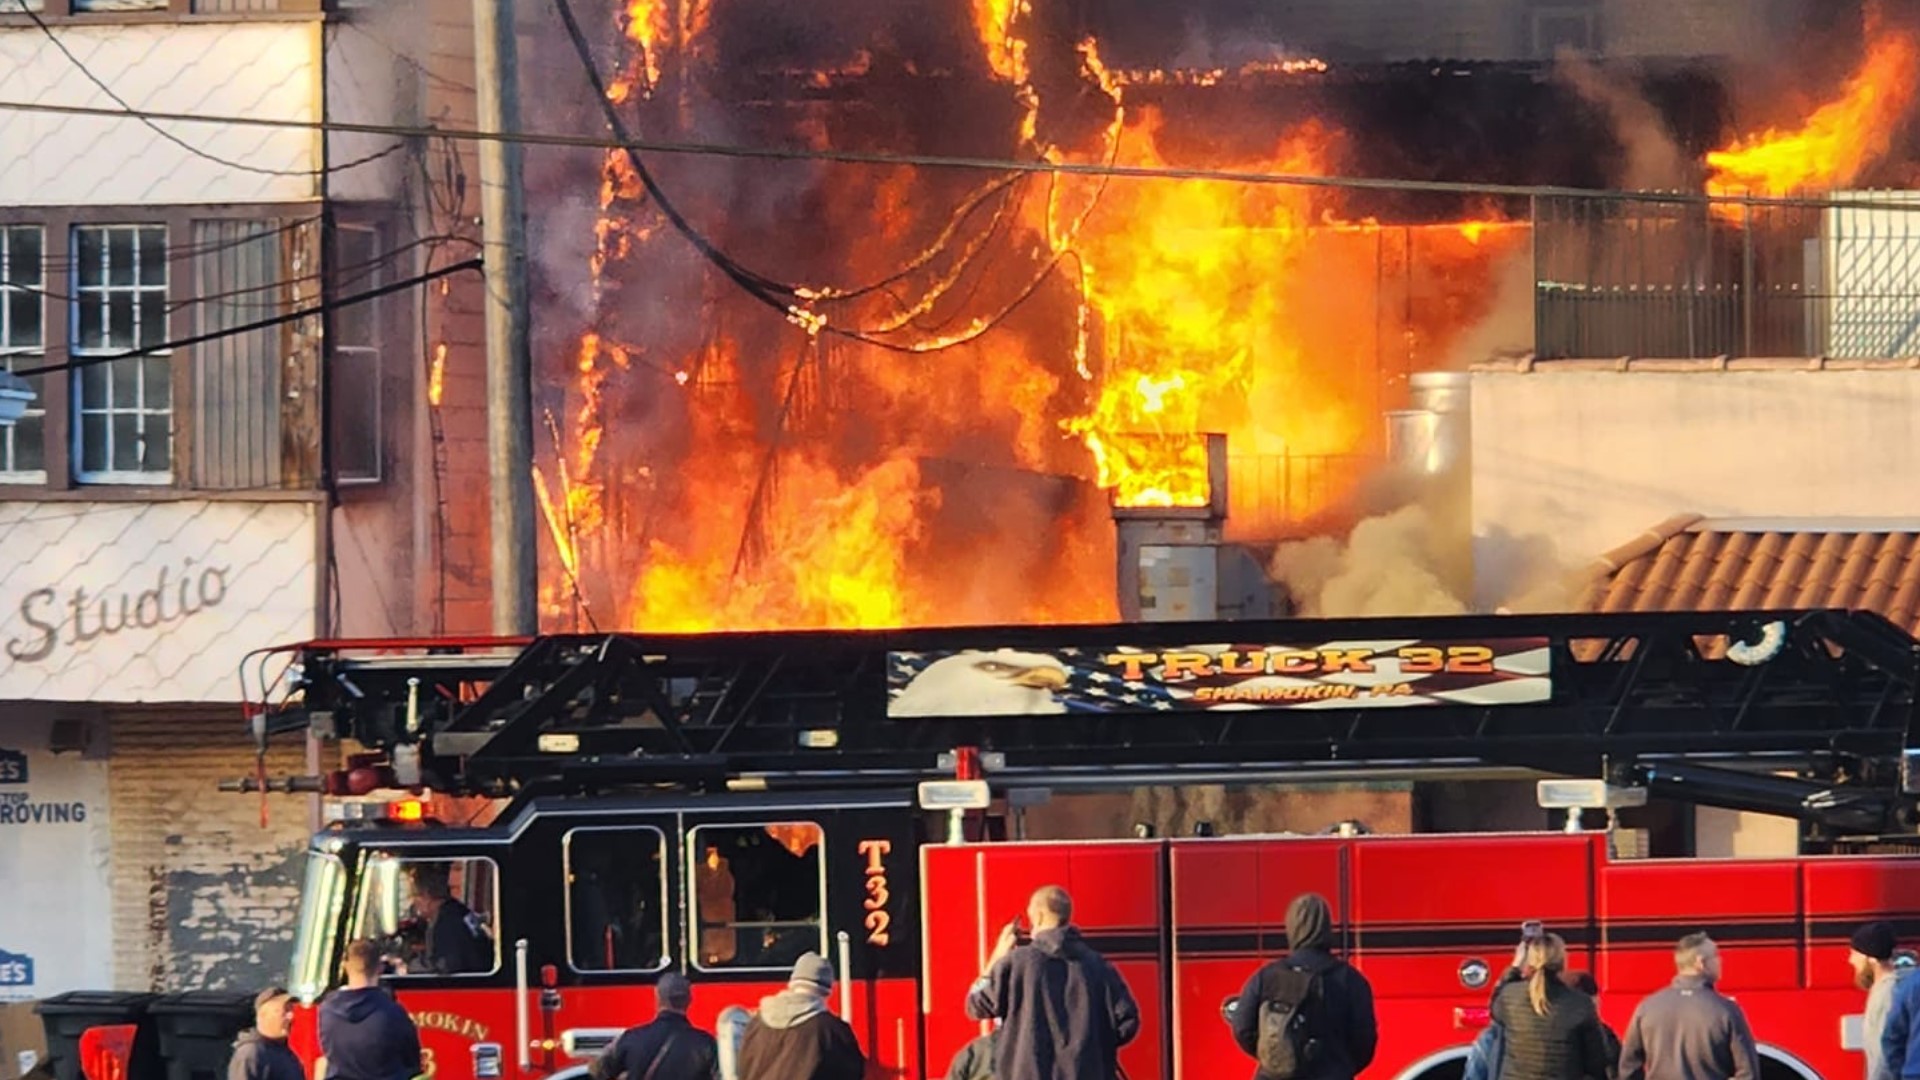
pixel 1656 277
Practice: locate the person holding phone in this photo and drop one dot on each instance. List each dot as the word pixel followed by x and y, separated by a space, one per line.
pixel 1064 1011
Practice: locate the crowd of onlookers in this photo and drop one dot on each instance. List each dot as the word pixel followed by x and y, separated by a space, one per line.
pixel 1062 1012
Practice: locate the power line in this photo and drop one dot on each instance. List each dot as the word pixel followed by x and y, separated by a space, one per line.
pixel 262 324
pixel 128 110
pixel 974 164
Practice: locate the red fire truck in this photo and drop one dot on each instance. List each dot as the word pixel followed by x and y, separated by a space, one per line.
pixel 719 804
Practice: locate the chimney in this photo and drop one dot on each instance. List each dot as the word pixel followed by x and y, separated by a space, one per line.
pixel 1434 436
pixel 1174 564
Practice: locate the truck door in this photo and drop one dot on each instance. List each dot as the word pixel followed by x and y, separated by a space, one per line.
pixel 974 890
pixel 765 886
pixel 1229 915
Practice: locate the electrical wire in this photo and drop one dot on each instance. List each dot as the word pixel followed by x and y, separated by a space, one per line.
pixel 128 109
pixel 75 363
pixel 975 164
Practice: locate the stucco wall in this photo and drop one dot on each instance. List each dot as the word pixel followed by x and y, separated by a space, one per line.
pixel 1585 460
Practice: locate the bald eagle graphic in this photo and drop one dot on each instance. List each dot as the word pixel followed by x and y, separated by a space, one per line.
pixel 976 683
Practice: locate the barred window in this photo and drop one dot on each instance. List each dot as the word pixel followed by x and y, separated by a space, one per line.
pixel 23 303
pixel 123 409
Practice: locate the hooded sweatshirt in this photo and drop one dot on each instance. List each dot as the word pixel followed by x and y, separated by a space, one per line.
pixel 366 1035
pixel 1339 1014
pixel 794 1037
pixel 258 1058
pixel 1064 1012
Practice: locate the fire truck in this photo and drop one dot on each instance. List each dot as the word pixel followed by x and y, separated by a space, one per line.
pixel 605 808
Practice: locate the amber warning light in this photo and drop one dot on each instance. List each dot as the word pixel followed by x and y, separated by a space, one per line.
pixel 401 811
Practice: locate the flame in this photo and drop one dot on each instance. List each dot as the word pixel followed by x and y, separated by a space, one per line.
pixel 723 468
pixel 437 375
pixel 1836 144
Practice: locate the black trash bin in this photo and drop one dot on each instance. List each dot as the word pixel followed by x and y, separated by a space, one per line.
pixel 67 1016
pixel 197 1029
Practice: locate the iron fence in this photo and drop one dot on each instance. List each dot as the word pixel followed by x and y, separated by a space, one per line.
pixel 1661 277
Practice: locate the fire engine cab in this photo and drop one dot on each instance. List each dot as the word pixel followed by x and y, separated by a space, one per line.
pixel 537 829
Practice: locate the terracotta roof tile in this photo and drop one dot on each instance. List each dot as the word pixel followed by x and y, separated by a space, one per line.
pixel 1687 564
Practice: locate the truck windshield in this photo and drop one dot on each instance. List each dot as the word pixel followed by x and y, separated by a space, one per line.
pixel 319 926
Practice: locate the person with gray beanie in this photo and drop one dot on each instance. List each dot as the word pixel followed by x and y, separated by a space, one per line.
pixel 667 1048
pixel 794 1036
pixel 1318 1011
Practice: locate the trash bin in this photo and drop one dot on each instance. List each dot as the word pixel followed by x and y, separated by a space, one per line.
pixel 197 1029
pixel 67 1016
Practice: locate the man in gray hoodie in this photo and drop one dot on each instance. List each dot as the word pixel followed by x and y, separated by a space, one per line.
pixel 261 1052
pixel 1689 1031
pixel 795 1037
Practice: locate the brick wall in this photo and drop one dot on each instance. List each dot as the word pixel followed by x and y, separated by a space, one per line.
pixel 203 897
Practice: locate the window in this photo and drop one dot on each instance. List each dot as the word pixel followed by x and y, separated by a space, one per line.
pixel 319 925
pixel 759 891
pixel 1573 28
pixel 123 409
pixel 434 917
pixel 120 5
pixel 616 899
pixel 353 362
pixel 23 446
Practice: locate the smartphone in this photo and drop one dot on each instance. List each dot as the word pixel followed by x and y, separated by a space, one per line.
pixel 1531 929
pixel 1021 931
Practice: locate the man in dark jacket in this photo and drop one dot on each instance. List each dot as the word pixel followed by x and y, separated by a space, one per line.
pixel 1689 1031
pixel 1064 1012
pixel 1900 1036
pixel 975 1060
pixel 261 1053
pixel 364 1033
pixel 1338 1015
pixel 795 1037
pixel 457 943
pixel 669 1048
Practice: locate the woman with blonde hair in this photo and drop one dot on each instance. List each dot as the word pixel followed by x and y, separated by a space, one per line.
pixel 1551 1031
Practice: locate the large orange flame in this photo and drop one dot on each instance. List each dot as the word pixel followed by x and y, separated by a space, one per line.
pixel 1837 143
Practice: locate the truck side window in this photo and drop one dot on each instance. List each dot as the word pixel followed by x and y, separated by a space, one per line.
pixel 434 917
pixel 759 892
pixel 616 899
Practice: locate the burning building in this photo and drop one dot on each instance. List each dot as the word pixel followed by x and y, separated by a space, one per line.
pixel 998 267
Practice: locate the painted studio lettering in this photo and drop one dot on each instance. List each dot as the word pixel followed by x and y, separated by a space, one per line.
pixel 55 620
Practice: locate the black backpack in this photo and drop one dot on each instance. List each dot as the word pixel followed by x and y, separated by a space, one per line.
pixel 1288 1046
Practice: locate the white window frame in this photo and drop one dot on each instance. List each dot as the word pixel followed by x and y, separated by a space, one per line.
pixel 666 879
pixel 364 279
pixel 694 924
pixel 104 293
pixel 11 354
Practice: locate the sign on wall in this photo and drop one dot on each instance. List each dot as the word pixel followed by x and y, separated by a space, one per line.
pixel 1328 675
pixel 145 601
pixel 57 909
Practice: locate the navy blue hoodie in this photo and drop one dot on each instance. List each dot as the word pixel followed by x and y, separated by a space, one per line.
pixel 366 1035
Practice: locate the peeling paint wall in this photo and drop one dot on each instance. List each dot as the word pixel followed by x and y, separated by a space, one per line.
pixel 204 897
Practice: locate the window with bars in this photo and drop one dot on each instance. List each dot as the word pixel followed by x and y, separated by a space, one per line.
pixel 123 409
pixel 23 303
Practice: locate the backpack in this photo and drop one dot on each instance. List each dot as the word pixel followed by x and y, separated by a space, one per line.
pixel 1287 1047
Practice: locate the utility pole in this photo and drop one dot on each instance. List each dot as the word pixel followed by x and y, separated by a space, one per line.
pixel 503 215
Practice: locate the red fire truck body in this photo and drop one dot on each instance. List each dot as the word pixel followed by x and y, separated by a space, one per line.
pixel 692 836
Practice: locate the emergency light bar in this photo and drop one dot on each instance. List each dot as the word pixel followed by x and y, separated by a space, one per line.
pixel 402 811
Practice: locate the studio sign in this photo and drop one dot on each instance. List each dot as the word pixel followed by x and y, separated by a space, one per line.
pixel 81 616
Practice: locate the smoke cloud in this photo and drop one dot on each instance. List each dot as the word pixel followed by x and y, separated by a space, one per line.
pixel 1654 160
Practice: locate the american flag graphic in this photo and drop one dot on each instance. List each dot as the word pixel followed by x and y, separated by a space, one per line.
pixel 1402 673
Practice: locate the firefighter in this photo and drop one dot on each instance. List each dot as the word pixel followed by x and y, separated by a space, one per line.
pixel 1875 972
pixel 1308 1015
pixel 456 941
pixel 1551 1031
pixel 1690 1031
pixel 1064 1011
pixel 669 1048
pixel 794 1037
pixel 261 1053
pixel 364 1033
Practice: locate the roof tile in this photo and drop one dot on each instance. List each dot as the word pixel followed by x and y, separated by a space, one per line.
pixel 1686 564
